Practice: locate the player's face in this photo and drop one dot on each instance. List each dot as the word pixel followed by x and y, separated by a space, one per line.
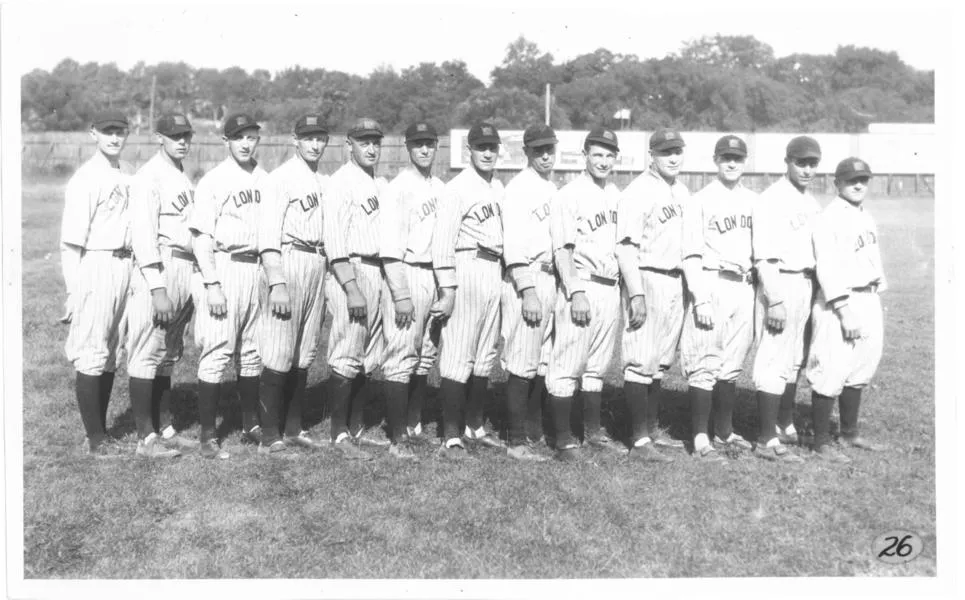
pixel 801 171
pixel 366 151
pixel 730 167
pixel 422 152
pixel 110 140
pixel 176 146
pixel 668 162
pixel 541 158
pixel 853 190
pixel 242 145
pixel 599 160
pixel 311 146
pixel 483 156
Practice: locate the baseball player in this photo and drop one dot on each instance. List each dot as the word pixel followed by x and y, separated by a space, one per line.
pixel 649 230
pixel 846 319
pixel 409 289
pixel 226 294
pixel 293 302
pixel 351 235
pixel 160 307
pixel 467 248
pixel 95 244
pixel 719 323
pixel 583 230
pixel 784 260
pixel 529 291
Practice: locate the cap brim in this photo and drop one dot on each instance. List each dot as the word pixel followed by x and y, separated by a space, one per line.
pixel 667 145
pixel 362 133
pixel 486 139
pixel 603 142
pixel 805 154
pixel 177 129
pixel 105 124
pixel 308 130
pixel 854 175
pixel 542 142
pixel 421 137
pixel 733 151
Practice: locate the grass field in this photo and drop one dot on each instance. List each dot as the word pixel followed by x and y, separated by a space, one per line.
pixel 317 517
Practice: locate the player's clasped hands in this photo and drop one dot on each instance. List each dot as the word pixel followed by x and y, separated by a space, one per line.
pixel 638 313
pixel 580 309
pixel 404 311
pixel 776 317
pixel 279 301
pixel 163 307
pixel 217 303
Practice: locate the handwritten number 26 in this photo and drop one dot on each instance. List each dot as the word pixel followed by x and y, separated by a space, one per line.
pixel 897 547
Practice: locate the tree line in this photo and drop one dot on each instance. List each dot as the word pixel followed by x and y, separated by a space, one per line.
pixel 717 83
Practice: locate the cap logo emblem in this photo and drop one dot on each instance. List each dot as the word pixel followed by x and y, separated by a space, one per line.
pixel 241 120
pixel 311 121
pixel 487 131
pixel 179 120
pixel 734 143
pixel 421 127
pixel 859 166
pixel 670 135
pixel 608 135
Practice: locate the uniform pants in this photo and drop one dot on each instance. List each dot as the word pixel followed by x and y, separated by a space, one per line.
pixel 649 351
pixel 468 338
pixel 356 346
pixel 410 350
pixel 99 301
pixel 526 347
pixel 835 362
pixel 293 341
pixel 780 354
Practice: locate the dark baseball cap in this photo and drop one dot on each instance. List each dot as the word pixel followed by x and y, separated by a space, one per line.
pixel 666 138
pixel 237 123
pixel 539 135
pixel 109 118
pixel 730 144
pixel 310 124
pixel 421 131
pixel 803 147
pixel 852 168
pixel 483 133
pixel 365 127
pixel 172 124
pixel 603 136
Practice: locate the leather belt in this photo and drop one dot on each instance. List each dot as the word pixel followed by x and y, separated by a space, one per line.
pixel 871 288
pixel 249 256
pixel 484 254
pixel 372 261
pixel 547 268
pixel 420 265
pixel 746 277
pixel 179 253
pixel 116 252
pixel 319 249
pixel 667 272
pixel 598 279
pixel 807 273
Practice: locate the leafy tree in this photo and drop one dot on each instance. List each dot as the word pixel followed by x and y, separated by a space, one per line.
pixel 525 68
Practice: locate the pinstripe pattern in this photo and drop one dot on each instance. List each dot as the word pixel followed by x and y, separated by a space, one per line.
pixel 409 350
pixel 100 295
pixel 649 351
pixel 355 347
pixel 835 362
pixel 780 355
pixel 226 206
pixel 526 348
pixel 284 343
pixel 708 355
pixel 352 213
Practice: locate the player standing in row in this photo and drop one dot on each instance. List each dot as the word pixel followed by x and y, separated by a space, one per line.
pixel 351 235
pixel 409 289
pixel 95 245
pixel 847 321
pixel 784 259
pixel 467 249
pixel 529 291
pixel 225 225
pixel 293 301
pixel 649 230
pixel 719 327
pixel 583 227
pixel 160 307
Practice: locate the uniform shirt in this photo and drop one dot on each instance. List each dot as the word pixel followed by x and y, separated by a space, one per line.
pixel 352 213
pixel 291 206
pixel 470 216
pixel 526 224
pixel 846 248
pixel 409 216
pixel 585 217
pixel 227 206
pixel 782 226
pixel 650 218
pixel 717 227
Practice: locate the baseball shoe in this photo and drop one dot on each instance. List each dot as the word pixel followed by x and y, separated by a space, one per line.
pixel 276 448
pixel 648 453
pixel 362 438
pixel 455 452
pixel 708 454
pixel 106 448
pixel 778 453
pixel 488 439
pixel 569 454
pixel 829 453
pixel 861 443
pixel 734 442
pixel 525 452
pixel 345 444
pixel 211 449
pixel 402 451
pixel 540 446
pixel 179 442
pixel 252 436
pixel 602 441
pixel 153 447
pixel 661 438
pixel 787 436
pixel 302 440
pixel 415 435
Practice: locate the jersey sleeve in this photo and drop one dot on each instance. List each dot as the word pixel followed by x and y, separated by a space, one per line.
pixel 830 257
pixel 631 215
pixel 204 217
pixel 765 231
pixel 515 222
pixel 337 219
pixel 563 217
pixel 394 220
pixel 79 204
pixel 692 238
pixel 274 205
pixel 444 236
pixel 145 210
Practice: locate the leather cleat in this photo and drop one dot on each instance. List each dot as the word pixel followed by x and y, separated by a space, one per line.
pixel 525 452
pixel 349 451
pixel 153 447
pixel 662 439
pixel 455 452
pixel 829 453
pixel 648 453
pixel 211 449
pixel 276 448
pixel 179 442
pixel 106 448
pixel 709 454
pixel 602 441
pixel 779 453
pixel 789 439
pixel 489 439
pixel 734 442
pixel 362 438
pixel 402 451
pixel 302 440
pixel 415 435
pixel 861 443
pixel 252 436
pixel 569 454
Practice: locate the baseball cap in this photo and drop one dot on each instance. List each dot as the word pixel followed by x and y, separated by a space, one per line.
pixel 310 124
pixel 803 147
pixel 603 136
pixel 852 168
pixel 365 127
pixel 666 138
pixel 421 131
pixel 238 122
pixel 172 124
pixel 109 118
pixel 483 133
pixel 730 144
pixel 539 135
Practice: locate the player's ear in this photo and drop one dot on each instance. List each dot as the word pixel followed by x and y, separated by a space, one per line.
pixel 158 138
pixel 224 138
pixel 93 133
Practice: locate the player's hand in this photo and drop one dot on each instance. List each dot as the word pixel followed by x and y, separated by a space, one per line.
pixel 217 303
pixel 532 310
pixel 68 311
pixel 404 311
pixel 356 303
pixel 580 309
pixel 163 307
pixel 704 315
pixel 638 313
pixel 776 317
pixel 850 327
pixel 441 309
pixel 280 301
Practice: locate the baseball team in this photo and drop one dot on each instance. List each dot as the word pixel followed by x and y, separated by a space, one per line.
pixel 418 273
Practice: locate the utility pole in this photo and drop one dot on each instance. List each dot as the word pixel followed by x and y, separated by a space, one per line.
pixel 150 119
pixel 547 104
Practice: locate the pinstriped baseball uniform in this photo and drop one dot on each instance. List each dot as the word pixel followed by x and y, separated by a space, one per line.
pixel 96 218
pixel 585 216
pixel 291 222
pixel 528 249
pixel 848 257
pixel 782 230
pixel 651 219
pixel 227 207
pixel 408 219
pixel 352 222
pixel 467 244
pixel 717 228
pixel 162 199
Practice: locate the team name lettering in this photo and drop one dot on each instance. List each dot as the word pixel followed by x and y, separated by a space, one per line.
pixel 600 219
pixel 182 201
pixel 733 222
pixel 428 208
pixel 309 202
pixel 669 211
pixel 542 212
pixel 370 205
pixel 246 197
pixel 865 239
pixel 484 213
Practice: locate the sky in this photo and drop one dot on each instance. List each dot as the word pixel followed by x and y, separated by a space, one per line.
pixel 360 36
